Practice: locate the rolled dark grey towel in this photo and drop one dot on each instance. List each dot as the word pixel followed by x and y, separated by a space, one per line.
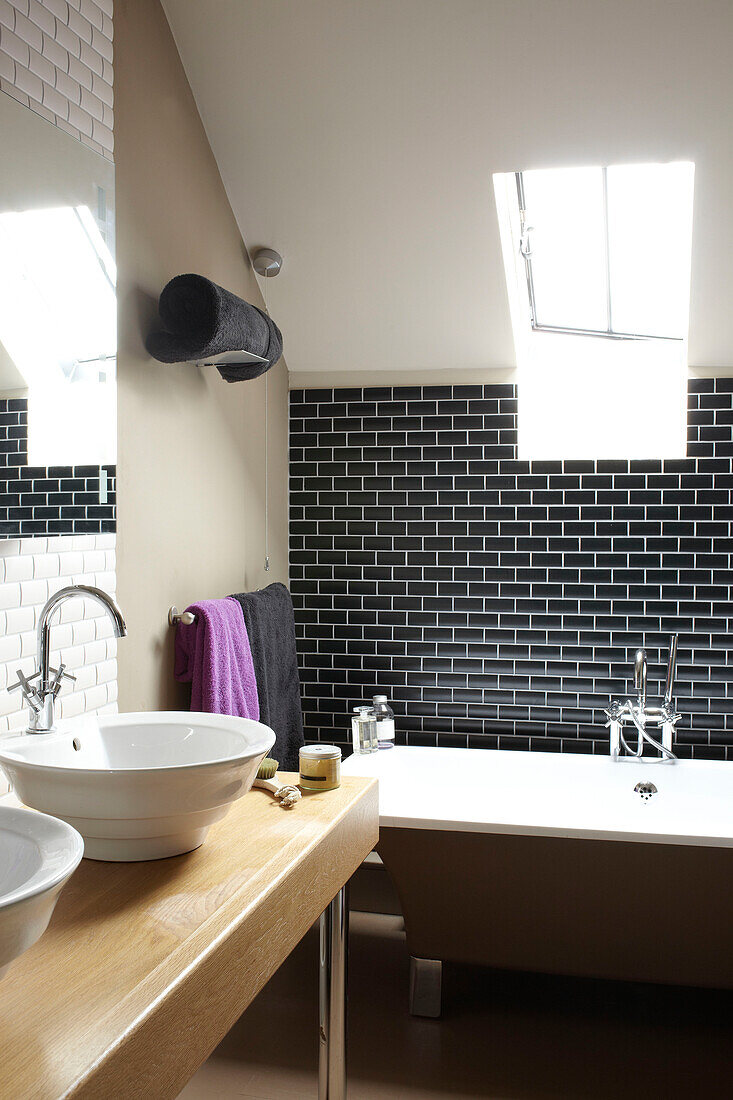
pixel 204 320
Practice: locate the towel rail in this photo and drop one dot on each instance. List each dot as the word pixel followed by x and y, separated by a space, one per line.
pixel 175 616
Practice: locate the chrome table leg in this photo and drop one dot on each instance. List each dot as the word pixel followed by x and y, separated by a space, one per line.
pixel 332 988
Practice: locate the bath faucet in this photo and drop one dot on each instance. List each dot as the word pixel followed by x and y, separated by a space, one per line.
pixel 642 716
pixel 41 696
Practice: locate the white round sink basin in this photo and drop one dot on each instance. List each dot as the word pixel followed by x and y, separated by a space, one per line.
pixel 138 786
pixel 38 854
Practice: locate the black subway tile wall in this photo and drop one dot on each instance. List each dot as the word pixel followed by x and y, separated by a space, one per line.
pixel 499 602
pixel 53 500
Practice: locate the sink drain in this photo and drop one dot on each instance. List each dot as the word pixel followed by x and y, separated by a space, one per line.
pixel 645 790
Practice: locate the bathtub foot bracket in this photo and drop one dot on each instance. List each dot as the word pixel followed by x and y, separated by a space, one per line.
pixel 426 979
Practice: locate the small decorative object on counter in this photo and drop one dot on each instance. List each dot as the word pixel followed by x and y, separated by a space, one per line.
pixel 285 793
pixel 364 730
pixel 385 722
pixel 320 767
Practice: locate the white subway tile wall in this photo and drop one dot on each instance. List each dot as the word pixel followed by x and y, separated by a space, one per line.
pixel 31 570
pixel 56 58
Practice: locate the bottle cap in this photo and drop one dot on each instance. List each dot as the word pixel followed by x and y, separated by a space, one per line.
pixel 380 699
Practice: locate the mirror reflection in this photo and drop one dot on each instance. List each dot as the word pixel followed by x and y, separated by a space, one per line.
pixel 58 339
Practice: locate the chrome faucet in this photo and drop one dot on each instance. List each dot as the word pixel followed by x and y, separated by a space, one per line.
pixel 41 696
pixel 642 716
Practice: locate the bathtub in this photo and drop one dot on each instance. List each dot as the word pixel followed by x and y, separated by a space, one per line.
pixel 561 863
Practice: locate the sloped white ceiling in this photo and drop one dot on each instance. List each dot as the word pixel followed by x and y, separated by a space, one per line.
pixel 359 138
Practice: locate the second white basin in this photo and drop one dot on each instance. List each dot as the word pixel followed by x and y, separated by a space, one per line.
pixel 37 856
pixel 138 786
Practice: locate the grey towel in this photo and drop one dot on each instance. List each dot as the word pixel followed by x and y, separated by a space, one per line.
pixel 268 616
pixel 205 320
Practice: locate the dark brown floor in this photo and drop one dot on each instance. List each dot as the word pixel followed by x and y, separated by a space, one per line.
pixel 503 1036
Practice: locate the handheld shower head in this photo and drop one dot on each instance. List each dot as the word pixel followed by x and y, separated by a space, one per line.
pixel 671 667
pixel 640 664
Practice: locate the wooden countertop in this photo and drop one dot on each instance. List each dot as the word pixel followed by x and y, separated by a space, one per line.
pixel 145 966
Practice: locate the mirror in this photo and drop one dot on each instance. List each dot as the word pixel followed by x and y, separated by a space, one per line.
pixel 58 339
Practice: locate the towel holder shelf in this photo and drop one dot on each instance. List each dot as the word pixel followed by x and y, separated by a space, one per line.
pixel 175 616
pixel 232 358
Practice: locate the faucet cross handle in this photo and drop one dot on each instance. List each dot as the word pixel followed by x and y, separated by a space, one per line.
pixel 670 713
pixel 613 711
pixel 59 674
pixel 30 693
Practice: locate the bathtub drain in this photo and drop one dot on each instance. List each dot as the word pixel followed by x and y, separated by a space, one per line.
pixel 645 790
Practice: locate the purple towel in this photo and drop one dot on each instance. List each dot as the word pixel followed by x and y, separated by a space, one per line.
pixel 214 656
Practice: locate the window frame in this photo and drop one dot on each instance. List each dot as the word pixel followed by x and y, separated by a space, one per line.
pixel 525 249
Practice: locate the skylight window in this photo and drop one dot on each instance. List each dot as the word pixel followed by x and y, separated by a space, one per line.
pixel 598 272
pixel 606 250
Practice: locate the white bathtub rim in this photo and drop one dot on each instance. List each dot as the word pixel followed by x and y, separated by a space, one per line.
pixel 463 767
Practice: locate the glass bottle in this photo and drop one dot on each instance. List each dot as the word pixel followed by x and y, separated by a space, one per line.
pixel 364 730
pixel 385 722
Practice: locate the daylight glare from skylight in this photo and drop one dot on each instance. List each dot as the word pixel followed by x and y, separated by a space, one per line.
pixel 58 325
pixel 598 272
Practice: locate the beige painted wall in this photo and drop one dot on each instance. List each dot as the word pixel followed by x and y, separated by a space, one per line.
pixel 191 447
